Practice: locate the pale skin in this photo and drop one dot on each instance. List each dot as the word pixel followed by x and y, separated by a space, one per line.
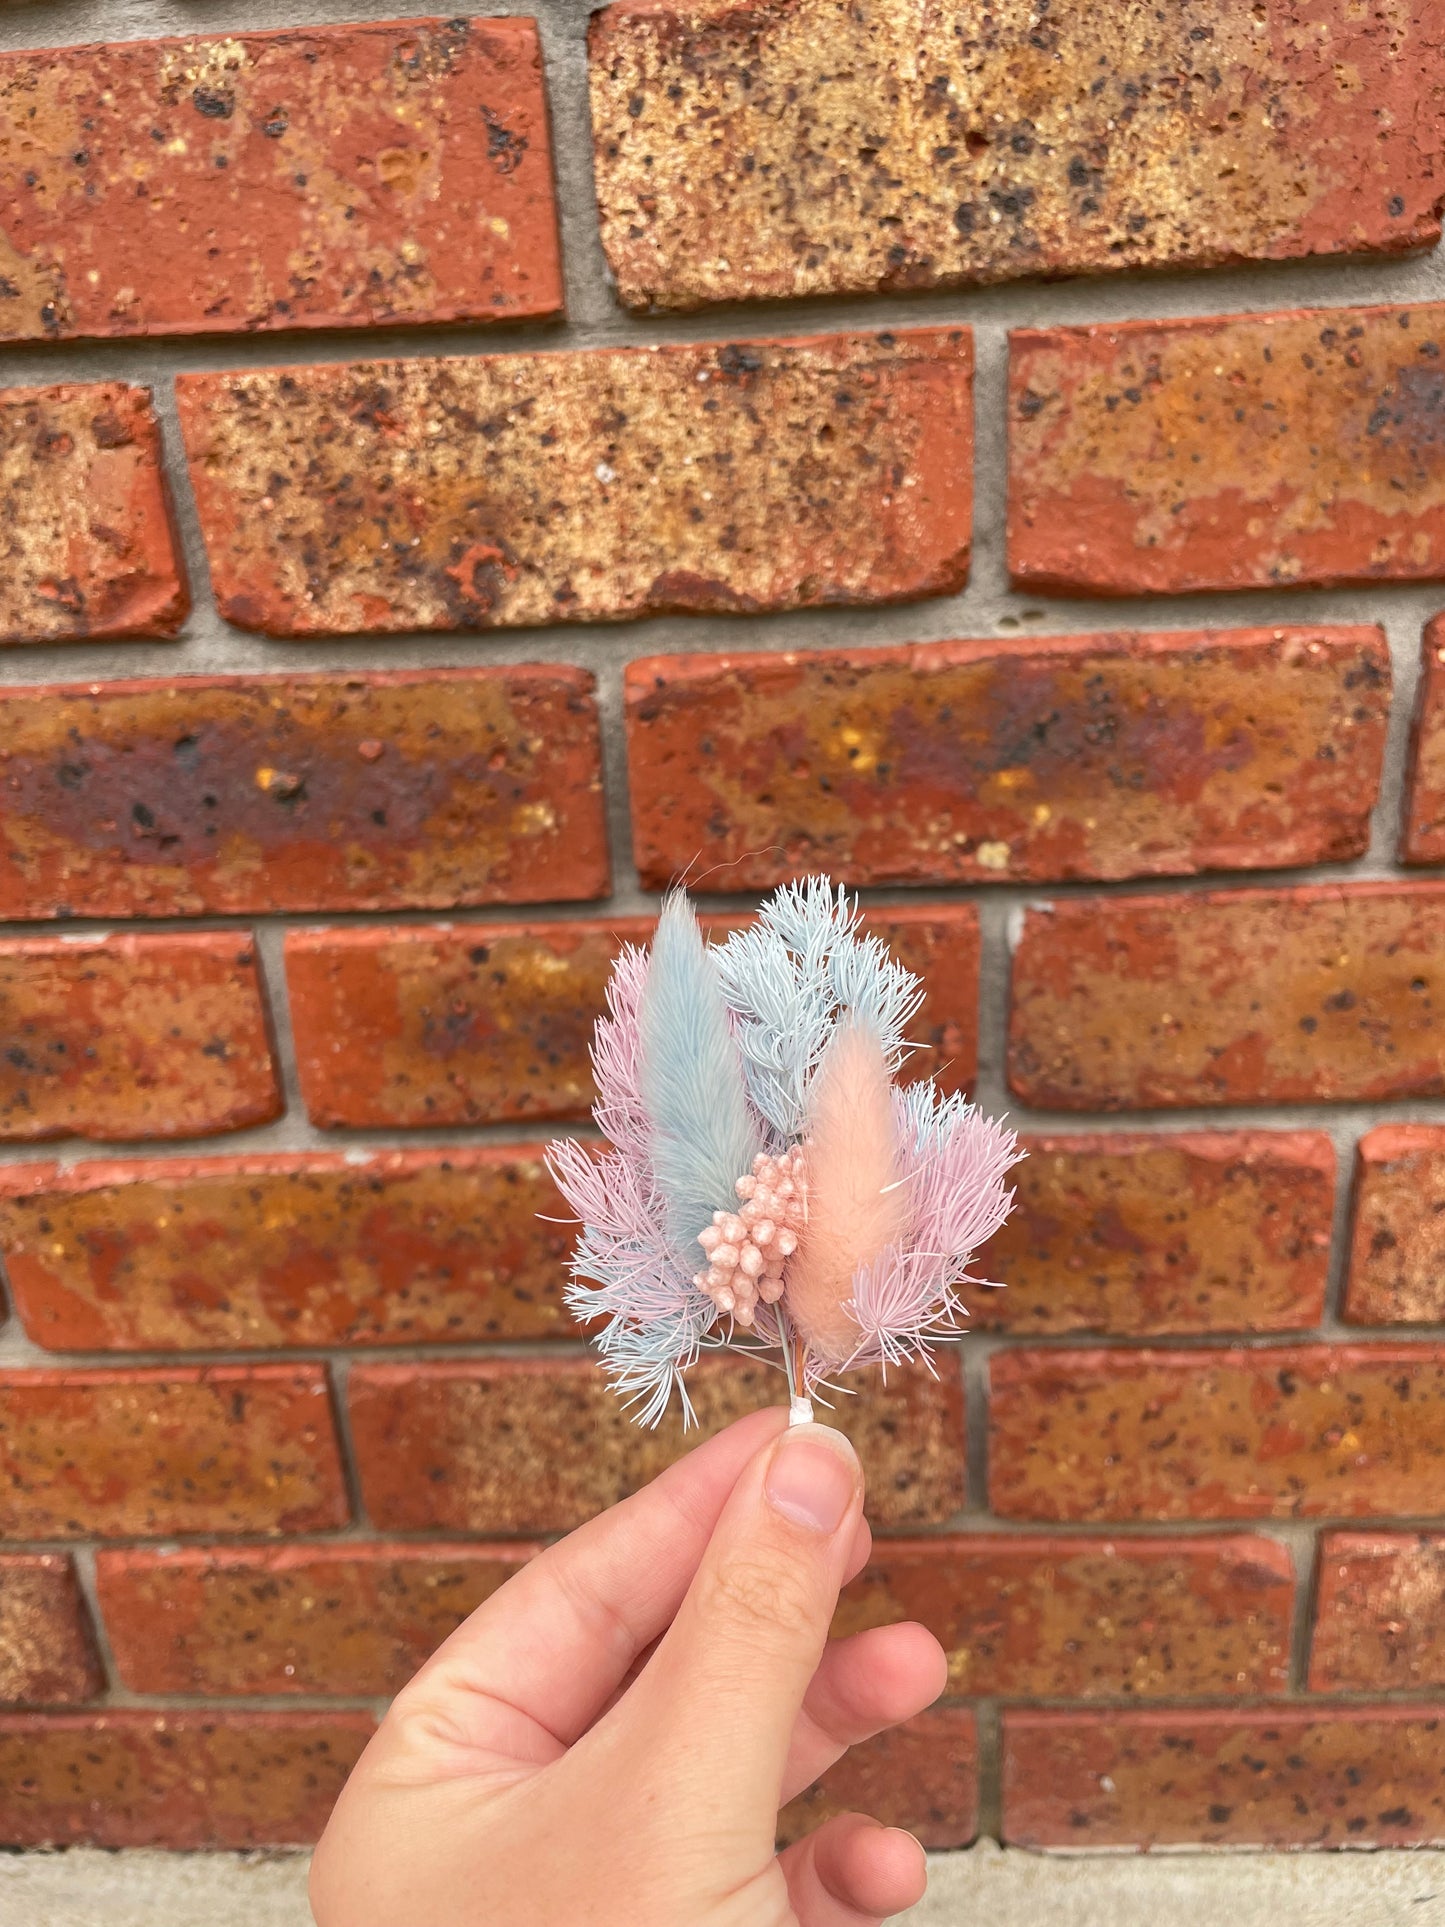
pixel 607 1741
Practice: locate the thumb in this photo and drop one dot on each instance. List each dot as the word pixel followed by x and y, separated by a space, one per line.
pixel 722 1693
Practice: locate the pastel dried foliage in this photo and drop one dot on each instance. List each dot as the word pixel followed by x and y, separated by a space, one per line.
pixel 712 1064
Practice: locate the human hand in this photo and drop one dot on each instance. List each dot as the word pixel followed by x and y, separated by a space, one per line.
pixel 607 1740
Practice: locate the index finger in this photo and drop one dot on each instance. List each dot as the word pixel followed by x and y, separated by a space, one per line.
pixel 533 1666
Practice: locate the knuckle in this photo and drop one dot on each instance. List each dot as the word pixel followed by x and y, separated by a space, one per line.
pixel 764 1596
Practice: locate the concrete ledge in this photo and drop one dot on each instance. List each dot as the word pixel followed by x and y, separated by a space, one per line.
pixel 985 1885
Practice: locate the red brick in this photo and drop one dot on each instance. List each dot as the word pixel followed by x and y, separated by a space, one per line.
pixel 287 1248
pixel 1264 1777
pixel 90 549
pixel 824 149
pixel 1257 997
pixel 122 1454
pixel 326 177
pixel 47 1650
pixel 349 1619
pixel 1423 839
pixel 624 482
pixel 1231 452
pixel 533 1446
pixel 470 1024
pixel 191 1780
pixel 392 790
pixel 1051 757
pixel 1072 1618
pixel 922 1775
pixel 1153 1234
pixel 127 1037
pixel 1353 1431
pixel 1379 1613
pixel 1397 1242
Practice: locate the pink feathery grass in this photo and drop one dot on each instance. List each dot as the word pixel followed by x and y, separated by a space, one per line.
pixel 616 1057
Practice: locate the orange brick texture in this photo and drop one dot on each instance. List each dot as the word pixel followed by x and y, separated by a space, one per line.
pixel 365 684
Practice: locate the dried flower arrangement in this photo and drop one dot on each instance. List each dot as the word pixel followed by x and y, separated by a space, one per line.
pixel 767 1185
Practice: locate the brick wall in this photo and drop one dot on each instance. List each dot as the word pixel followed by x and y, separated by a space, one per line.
pixel 1080 623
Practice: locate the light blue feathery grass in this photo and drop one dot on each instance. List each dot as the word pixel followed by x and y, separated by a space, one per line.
pixel 791 975
pixel 704 1135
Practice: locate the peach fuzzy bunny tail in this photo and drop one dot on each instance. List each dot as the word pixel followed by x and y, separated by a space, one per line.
pixel 857 1201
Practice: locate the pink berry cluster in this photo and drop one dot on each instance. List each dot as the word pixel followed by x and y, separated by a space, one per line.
pixel 748 1248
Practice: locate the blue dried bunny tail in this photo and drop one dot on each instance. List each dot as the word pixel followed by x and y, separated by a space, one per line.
pixel 791 975
pixel 704 1133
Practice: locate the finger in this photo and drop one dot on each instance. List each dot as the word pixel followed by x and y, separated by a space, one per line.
pixel 714 1712
pixel 854 1873
pixel 858 1557
pixel 537 1662
pixel 862 1686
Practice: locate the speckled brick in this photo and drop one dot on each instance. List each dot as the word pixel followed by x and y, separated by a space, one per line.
pixel 484 1022
pixel 323 177
pixel 1349 1431
pixel 457 1245
pixel 397 789
pixel 1139 1234
pixel 1249 451
pixel 1423 838
pixel 1266 1777
pixel 1241 997
pixel 922 1775
pixel 1379 1618
pixel 175 1449
pixel 1397 1241
pixel 192 1780
pixel 47 1649
pixel 133 1037
pixel 492 492
pixel 346 1619
pixel 826 148
pixel 974 762
pixel 88 547
pixel 532 1446
pixel 1072 1618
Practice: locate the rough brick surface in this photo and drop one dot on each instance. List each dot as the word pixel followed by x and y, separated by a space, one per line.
pixel 1242 997
pixel 348 1619
pixel 1050 757
pixel 184 1780
pixel 469 1025
pixel 823 148
pixel 1268 1777
pixel 1397 1244
pixel 922 1776
pixel 321 178
pixel 86 540
pixel 1156 1234
pixel 117 1454
pixel 1069 1618
pixel 392 790
pixel 1379 1613
pixel 130 1037
pixel 728 476
pixel 47 1650
pixel 1354 1431
pixel 1423 840
pixel 405 1247
pixel 532 1446
pixel 1251 451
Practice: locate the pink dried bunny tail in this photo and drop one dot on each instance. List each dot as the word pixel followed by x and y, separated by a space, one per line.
pixel 857 1208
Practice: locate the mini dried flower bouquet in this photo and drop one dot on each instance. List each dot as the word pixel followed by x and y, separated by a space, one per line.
pixel 767 1185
